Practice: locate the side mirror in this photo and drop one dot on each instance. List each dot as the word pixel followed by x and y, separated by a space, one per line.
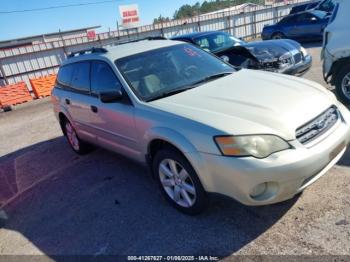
pixel 111 96
pixel 313 19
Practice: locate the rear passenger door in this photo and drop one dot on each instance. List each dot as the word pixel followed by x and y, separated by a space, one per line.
pixel 292 27
pixel 74 79
pixel 113 123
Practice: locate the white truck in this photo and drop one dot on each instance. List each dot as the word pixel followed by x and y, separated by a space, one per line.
pixel 336 51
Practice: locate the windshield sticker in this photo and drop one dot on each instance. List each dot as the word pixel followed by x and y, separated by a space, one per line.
pixel 190 51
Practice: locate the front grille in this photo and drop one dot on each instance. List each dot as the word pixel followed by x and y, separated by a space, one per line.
pixel 318 126
pixel 298 58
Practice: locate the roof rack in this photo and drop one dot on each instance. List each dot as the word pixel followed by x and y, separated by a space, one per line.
pixel 91 51
pixel 149 38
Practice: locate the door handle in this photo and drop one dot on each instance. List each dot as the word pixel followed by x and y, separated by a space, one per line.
pixel 67 101
pixel 94 109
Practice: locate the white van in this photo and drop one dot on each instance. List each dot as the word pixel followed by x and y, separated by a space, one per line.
pixel 336 51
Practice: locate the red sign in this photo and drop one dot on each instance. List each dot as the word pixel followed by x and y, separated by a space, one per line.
pixel 130 15
pixel 91 34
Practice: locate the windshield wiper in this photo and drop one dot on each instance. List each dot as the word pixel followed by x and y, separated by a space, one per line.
pixel 169 93
pixel 210 78
pixel 192 85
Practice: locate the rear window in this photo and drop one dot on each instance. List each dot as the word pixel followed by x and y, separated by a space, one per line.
pixel 75 76
pixel 298 9
pixel 81 76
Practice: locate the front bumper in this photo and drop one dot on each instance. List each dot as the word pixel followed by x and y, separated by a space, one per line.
pixel 287 173
pixel 300 68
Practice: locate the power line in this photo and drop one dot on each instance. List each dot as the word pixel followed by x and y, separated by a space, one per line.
pixel 56 7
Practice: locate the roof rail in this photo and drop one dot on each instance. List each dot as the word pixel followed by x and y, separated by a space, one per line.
pixel 149 38
pixel 91 50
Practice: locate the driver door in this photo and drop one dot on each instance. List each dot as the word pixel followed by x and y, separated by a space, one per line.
pixel 113 123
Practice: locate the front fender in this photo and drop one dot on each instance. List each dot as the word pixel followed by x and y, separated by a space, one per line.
pixel 186 147
pixel 169 135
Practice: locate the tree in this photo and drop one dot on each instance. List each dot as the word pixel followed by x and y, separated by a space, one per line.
pixel 187 11
pixel 161 19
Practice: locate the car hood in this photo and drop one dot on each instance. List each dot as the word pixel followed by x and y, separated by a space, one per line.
pixel 251 102
pixel 267 51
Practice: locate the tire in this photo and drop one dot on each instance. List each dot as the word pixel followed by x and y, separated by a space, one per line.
pixel 179 182
pixel 342 84
pixel 80 147
pixel 277 36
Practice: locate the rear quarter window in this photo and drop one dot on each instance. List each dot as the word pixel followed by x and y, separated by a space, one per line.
pixel 64 75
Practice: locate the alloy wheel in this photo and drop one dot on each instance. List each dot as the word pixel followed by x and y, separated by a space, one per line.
pixel 72 136
pixel 177 183
pixel 346 85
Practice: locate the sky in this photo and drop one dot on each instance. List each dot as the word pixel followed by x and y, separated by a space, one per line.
pixel 106 15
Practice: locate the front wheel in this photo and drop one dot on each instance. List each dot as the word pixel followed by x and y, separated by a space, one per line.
pixel 342 83
pixel 179 182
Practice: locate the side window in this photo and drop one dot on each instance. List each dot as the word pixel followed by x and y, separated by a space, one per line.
pixel 81 77
pixel 103 78
pixel 220 40
pixel 65 75
pixel 303 18
pixel 286 20
pixel 202 42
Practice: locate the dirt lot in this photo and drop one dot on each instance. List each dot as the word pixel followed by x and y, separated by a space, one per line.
pixel 64 204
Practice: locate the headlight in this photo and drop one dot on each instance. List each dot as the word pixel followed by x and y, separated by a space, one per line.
pixel 259 146
pixel 285 61
pixel 303 51
pixel 225 58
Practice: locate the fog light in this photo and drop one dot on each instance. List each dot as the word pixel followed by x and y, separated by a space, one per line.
pixel 259 190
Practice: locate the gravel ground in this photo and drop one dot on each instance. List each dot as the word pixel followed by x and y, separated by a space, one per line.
pixel 59 203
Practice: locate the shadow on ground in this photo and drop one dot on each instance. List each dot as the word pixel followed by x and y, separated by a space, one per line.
pixel 105 204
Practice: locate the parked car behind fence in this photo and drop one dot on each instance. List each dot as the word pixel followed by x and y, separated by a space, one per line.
pixel 324 5
pixel 304 26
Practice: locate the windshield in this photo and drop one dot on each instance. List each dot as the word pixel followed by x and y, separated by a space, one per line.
pixel 168 70
pixel 215 42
